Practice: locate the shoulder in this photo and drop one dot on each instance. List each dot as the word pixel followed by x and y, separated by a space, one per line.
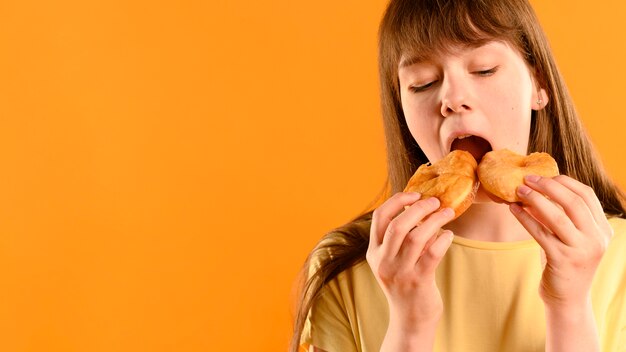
pixel 353 282
pixel 361 305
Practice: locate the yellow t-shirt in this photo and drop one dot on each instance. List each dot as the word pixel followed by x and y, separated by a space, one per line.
pixel 490 296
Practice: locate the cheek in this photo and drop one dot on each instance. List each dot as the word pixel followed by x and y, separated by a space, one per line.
pixel 515 100
pixel 416 126
pixel 421 125
pixel 412 115
pixel 514 115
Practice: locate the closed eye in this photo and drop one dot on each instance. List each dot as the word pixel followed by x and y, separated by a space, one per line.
pixel 488 72
pixel 421 88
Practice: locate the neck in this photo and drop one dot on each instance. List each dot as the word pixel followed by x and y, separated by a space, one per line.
pixel 488 221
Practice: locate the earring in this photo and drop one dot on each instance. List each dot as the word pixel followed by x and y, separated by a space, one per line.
pixel 539 101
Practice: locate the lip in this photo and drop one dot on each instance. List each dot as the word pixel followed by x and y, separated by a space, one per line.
pixel 458 133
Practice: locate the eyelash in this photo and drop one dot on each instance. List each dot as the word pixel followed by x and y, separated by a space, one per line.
pixel 483 73
pixel 421 88
pixel 488 72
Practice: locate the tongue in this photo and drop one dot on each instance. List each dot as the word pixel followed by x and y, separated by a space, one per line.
pixel 477 146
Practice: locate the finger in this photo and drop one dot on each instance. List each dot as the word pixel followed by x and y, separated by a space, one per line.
pixel 431 240
pixel 548 214
pixel 383 215
pixel 432 256
pixel 415 242
pixel 539 232
pixel 591 199
pixel 400 226
pixel 573 204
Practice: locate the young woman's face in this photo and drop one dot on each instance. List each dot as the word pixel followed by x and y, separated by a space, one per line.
pixel 486 91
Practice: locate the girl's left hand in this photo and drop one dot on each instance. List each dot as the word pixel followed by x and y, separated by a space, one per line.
pixel 572 229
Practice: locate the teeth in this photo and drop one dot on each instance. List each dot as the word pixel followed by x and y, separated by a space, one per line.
pixel 464 136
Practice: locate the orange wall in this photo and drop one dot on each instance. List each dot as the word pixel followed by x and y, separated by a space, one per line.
pixel 168 165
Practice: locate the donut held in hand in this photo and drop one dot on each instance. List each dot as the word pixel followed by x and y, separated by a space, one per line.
pixel 501 172
pixel 452 180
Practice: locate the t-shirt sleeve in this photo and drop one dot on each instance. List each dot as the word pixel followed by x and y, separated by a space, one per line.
pixel 327 325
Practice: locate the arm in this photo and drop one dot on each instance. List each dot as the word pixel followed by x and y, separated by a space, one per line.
pixel 400 339
pixel 404 251
pixel 573 231
pixel 571 328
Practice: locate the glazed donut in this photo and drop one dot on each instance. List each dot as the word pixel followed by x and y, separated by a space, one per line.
pixel 452 180
pixel 501 172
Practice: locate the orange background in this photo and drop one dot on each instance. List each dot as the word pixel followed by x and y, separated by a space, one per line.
pixel 167 166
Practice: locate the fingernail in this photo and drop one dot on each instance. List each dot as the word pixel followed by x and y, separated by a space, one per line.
pixel 433 201
pixel 532 178
pixel 515 208
pixel 448 233
pixel 523 190
pixel 416 194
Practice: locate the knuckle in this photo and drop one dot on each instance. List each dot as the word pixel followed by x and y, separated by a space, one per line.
pixel 376 213
pixel 600 248
pixel 381 214
pixel 560 218
pixel 386 273
pixel 394 228
pixel 589 192
pixel 424 205
pixel 398 195
pixel 599 253
pixel 413 238
pixel 380 211
pixel 592 254
pixel 577 201
pixel 430 256
pixel 443 216
pixel 544 181
pixel 560 178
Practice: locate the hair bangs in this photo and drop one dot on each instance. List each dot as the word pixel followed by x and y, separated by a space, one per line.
pixel 426 28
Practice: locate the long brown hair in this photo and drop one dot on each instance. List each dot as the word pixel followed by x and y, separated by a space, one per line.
pixel 416 27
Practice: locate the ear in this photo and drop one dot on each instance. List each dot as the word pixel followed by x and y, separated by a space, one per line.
pixel 539 99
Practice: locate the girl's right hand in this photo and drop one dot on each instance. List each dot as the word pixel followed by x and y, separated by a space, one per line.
pixel 404 250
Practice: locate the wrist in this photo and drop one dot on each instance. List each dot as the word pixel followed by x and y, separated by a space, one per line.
pixel 402 336
pixel 570 309
pixel 414 324
pixel 571 327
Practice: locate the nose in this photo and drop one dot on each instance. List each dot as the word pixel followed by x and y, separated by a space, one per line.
pixel 455 96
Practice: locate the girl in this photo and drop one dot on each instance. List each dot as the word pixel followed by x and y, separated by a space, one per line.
pixel 547 274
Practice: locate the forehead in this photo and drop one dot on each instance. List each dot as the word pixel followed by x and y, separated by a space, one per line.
pixel 493 46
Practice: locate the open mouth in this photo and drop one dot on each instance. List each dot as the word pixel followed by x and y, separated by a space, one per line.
pixel 477 146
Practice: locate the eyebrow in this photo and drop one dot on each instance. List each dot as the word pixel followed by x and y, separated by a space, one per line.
pixel 412 60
